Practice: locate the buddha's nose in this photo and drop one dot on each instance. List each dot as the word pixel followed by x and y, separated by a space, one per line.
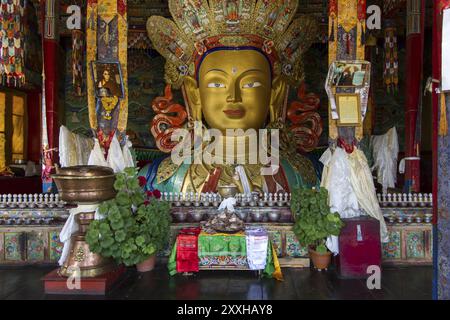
pixel 234 94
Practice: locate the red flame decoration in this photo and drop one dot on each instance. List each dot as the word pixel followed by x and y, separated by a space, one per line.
pixel 306 123
pixel 169 116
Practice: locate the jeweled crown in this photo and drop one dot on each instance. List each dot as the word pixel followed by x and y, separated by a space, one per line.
pixel 200 25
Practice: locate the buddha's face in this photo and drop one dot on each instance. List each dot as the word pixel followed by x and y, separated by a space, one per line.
pixel 234 89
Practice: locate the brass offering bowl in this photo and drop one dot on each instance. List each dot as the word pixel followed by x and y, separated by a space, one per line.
pixel 196 216
pixel 179 216
pixel 227 191
pixel 85 184
pixel 89 263
pixel 257 216
pixel 274 216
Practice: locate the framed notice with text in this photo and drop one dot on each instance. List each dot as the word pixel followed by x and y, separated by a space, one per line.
pixel 349 109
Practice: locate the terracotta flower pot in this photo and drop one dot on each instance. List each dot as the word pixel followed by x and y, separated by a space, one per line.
pixel 320 260
pixel 147 265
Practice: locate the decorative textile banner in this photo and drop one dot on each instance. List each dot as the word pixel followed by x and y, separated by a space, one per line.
pixel 389 5
pixel 106 58
pixel 77 60
pixel 390 73
pixel 347 42
pixel 11 42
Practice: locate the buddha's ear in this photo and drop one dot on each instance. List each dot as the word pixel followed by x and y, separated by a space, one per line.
pixel 277 97
pixel 193 95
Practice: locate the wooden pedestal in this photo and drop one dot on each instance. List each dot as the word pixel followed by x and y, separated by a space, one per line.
pixel 56 284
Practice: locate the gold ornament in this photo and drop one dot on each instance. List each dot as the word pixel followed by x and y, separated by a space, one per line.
pixel 199 27
pixel 108 104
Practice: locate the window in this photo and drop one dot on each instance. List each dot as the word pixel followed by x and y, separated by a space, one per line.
pixel 18 121
pixel 12 127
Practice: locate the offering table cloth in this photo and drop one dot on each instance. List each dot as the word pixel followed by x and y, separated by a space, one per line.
pixel 222 250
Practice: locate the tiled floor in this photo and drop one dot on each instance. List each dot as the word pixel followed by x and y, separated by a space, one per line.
pixel 396 283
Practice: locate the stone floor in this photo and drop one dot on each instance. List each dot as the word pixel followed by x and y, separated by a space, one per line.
pixel 396 283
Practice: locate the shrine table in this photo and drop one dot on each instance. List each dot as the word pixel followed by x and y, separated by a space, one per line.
pixel 222 251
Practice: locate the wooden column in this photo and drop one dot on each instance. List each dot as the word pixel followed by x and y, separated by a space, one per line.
pixel 50 123
pixel 414 64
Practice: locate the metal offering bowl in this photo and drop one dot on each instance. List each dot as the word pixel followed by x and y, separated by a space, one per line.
pixel 257 216
pixel 196 216
pixel 242 214
pixel 227 191
pixel 180 216
pixel 85 184
pixel 274 216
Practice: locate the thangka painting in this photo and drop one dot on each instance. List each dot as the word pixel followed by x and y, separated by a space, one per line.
pixel 107 87
pixel 109 91
pixel 145 82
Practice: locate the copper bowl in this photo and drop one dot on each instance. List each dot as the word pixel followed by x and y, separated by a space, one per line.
pixel 84 171
pixel 227 191
pixel 85 184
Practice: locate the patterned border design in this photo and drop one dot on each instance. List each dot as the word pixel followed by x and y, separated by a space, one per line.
pixel 443 228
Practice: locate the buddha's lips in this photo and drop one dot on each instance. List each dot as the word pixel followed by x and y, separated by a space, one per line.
pixel 234 113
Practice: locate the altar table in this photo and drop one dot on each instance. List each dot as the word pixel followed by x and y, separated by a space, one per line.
pixel 221 251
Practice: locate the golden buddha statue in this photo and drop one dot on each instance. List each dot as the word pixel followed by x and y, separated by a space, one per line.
pixel 234 70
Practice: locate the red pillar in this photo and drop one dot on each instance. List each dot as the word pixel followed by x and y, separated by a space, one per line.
pixel 50 47
pixel 51 92
pixel 414 63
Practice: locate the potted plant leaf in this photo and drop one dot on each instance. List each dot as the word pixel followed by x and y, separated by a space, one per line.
pixel 314 222
pixel 135 224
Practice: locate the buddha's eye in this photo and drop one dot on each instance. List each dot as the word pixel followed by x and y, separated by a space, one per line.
pixel 253 84
pixel 216 85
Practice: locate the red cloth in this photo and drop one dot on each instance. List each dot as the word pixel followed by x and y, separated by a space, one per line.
pixel 187 250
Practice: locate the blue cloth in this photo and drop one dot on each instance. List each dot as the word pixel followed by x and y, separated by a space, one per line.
pixel 149 172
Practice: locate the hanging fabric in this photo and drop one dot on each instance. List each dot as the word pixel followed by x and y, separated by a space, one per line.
pixel 390 72
pixel 187 250
pixel 332 14
pixel 385 154
pixel 443 124
pixel 11 42
pixel 257 241
pixel 77 61
pixel 362 20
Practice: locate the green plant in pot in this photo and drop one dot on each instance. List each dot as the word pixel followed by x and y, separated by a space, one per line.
pixel 314 222
pixel 135 224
